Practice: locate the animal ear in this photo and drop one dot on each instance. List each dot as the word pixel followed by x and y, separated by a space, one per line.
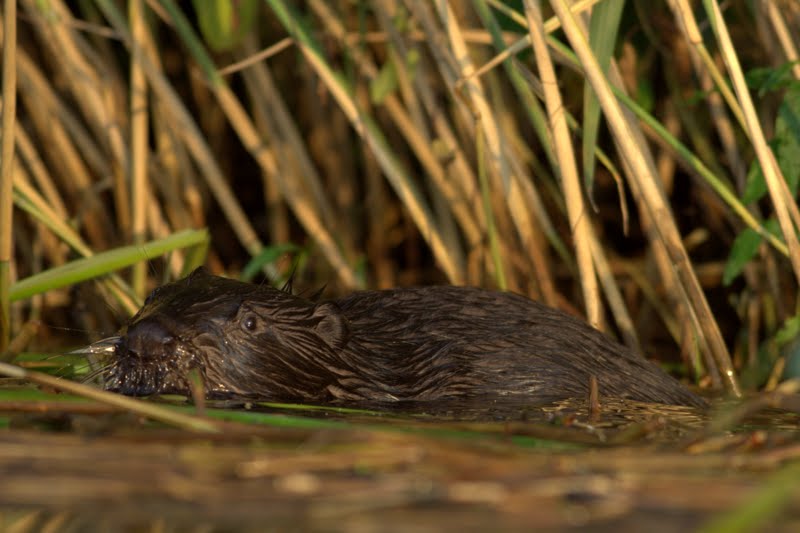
pixel 332 326
pixel 198 273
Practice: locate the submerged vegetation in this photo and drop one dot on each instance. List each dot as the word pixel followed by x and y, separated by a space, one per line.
pixel 635 163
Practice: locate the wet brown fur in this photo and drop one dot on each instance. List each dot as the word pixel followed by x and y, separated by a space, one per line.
pixel 426 343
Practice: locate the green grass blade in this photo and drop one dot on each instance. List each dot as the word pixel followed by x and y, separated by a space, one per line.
pixel 104 263
pixel 602 38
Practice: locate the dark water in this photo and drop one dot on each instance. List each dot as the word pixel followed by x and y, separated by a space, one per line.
pixel 567 420
pixel 617 421
pixel 631 470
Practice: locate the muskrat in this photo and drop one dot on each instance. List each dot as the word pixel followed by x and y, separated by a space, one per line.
pixel 425 343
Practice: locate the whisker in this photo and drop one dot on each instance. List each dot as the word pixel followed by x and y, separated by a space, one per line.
pixel 64 370
pixel 107 346
pixel 99 372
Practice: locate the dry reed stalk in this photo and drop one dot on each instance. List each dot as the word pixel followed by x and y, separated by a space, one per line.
pixel 690 332
pixel 133 405
pixel 782 200
pixel 509 186
pixel 139 146
pixel 782 33
pixel 687 319
pixel 258 80
pixel 304 210
pixel 613 294
pixel 404 100
pixel 527 87
pixel 177 183
pixel 369 131
pixel 413 130
pixel 641 173
pixel 69 147
pixel 91 91
pixel 39 172
pixel 9 111
pixel 291 154
pixel 570 182
pixel 505 172
pixel 521 44
pixel 659 253
pixel 185 127
pixel 688 24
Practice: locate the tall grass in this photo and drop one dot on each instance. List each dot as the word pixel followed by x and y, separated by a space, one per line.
pixel 629 161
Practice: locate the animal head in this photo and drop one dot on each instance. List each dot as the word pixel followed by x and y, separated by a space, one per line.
pixel 241 339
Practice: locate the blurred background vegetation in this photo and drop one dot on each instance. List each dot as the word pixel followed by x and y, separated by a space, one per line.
pixel 643 177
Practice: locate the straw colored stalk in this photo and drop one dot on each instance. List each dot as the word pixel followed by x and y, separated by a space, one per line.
pixel 523 43
pixel 469 98
pixel 293 158
pixel 369 131
pixel 570 181
pixel 252 141
pixel 133 405
pixel 7 165
pixel 139 149
pixel 501 165
pixel 640 172
pixel 412 104
pixel 783 34
pixel 705 67
pixel 671 284
pixel 184 126
pixel 179 205
pixel 785 207
pixel 70 148
pixel 455 188
pixel 411 125
pixel 688 24
pixel 91 92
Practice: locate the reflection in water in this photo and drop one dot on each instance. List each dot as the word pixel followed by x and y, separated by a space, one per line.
pixel 518 410
pixel 567 420
pixel 617 421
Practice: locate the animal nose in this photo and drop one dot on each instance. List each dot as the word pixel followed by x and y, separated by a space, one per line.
pixel 148 337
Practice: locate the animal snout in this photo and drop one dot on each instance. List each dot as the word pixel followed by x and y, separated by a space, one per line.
pixel 148 338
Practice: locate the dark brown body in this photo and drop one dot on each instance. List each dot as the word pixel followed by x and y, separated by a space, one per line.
pixel 427 343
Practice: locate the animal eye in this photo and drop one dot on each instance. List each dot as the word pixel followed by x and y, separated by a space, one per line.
pixel 250 322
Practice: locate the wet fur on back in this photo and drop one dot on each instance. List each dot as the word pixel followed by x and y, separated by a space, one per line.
pixel 425 343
